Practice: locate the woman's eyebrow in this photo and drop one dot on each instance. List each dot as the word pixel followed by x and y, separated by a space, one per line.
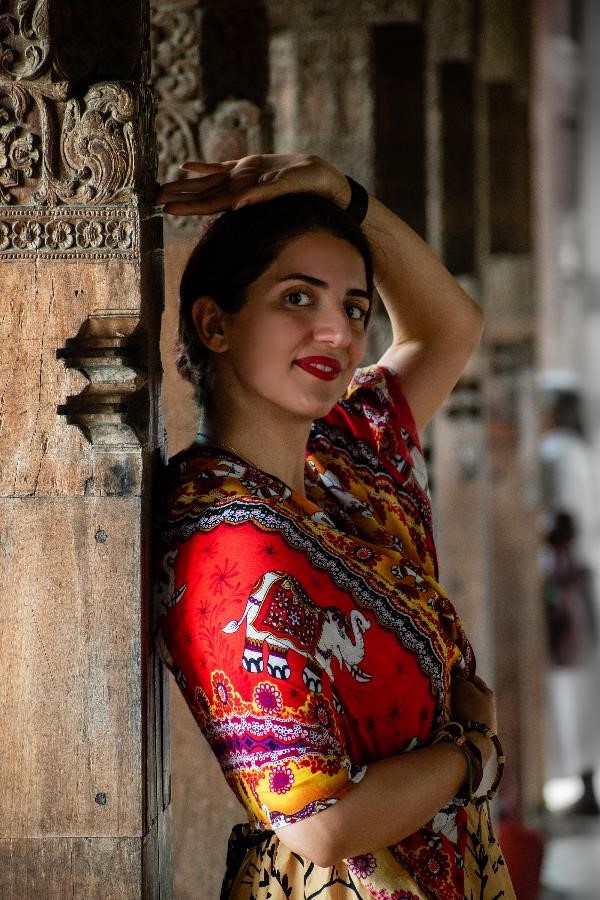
pixel 318 282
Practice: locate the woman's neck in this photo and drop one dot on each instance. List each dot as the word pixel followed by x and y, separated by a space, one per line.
pixel 273 445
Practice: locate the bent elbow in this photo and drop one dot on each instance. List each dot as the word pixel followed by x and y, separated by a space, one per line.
pixel 477 323
pixel 324 859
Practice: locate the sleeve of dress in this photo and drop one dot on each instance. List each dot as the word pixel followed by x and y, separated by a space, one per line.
pixel 375 412
pixel 247 632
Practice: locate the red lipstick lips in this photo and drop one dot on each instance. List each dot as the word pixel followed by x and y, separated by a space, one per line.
pixel 323 367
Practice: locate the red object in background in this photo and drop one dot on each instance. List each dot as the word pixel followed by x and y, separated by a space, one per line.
pixel 523 850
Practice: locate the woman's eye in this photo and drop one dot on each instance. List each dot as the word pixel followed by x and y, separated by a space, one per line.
pixel 355 312
pixel 298 298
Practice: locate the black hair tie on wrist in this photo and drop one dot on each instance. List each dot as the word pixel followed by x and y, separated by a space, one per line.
pixel 359 201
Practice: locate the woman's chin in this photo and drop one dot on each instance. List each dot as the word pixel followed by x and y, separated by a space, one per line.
pixel 311 407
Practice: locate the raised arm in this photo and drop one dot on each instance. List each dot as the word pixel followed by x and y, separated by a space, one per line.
pixel 435 325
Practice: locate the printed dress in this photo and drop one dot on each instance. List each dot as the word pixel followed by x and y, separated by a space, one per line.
pixel 310 637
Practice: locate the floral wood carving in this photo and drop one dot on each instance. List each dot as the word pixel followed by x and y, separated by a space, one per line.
pixel 56 147
pixel 24 44
pixel 235 128
pixel 68 232
pixel 97 145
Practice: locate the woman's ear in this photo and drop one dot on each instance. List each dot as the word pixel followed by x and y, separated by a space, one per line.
pixel 208 317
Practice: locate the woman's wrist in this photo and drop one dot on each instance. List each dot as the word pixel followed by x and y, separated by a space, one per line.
pixel 483 743
pixel 341 192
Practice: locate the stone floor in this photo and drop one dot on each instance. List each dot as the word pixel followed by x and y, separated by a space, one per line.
pixel 571 869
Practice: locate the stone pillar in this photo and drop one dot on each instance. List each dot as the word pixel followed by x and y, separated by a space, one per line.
pixel 82 702
pixel 459 429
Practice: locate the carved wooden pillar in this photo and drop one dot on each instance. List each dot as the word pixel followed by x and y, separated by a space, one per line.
pixel 83 810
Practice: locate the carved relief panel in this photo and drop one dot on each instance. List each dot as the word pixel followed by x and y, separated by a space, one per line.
pixel 177 80
pixel 77 162
pixel 64 146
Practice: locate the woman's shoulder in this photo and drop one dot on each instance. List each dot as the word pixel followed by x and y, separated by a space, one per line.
pixel 201 480
pixel 375 392
pixel 373 417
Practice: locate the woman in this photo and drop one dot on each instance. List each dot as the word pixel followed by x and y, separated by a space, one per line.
pixel 301 612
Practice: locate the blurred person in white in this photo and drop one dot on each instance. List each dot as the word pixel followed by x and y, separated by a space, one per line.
pixel 571 579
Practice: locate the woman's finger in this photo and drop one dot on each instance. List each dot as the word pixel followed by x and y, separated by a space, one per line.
pixel 268 176
pixel 196 165
pixel 200 206
pixel 272 184
pixel 238 183
pixel 193 184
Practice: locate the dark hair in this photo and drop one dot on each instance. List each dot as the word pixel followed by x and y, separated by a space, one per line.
pixel 236 249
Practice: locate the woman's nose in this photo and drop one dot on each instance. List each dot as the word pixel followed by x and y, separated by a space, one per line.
pixel 332 326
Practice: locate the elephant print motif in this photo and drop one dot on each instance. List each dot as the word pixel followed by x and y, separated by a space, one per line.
pixel 281 615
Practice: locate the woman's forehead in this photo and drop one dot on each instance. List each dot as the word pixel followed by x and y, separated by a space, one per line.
pixel 322 255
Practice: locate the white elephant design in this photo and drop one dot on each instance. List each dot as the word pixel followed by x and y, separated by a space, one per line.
pixel 281 615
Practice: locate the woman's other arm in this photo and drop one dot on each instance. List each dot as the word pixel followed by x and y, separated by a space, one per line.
pixel 398 795
pixel 395 798
pixel 436 326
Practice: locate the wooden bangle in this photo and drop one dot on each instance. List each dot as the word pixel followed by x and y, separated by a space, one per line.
pixel 472 725
pixel 454 733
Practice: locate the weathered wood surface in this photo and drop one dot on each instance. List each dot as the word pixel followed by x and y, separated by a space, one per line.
pixel 83 702
pixel 85 868
pixel 70 639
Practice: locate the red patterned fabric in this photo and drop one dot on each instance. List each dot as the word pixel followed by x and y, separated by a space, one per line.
pixel 310 637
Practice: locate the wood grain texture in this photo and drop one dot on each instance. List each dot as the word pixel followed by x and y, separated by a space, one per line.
pixel 82 703
pixel 83 811
pixel 71 640
pixel 79 868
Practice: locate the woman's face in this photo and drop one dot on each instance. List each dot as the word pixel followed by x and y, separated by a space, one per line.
pixel 301 334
